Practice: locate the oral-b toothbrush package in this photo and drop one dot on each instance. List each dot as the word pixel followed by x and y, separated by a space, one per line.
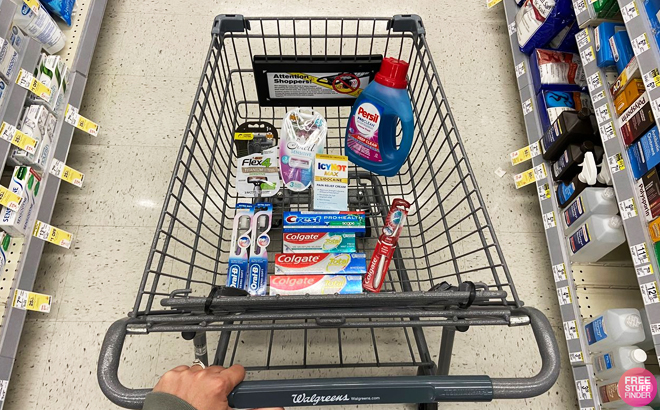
pixel 258 262
pixel 302 137
pixel 240 243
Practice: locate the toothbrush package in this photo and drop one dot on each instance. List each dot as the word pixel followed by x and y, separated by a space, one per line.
pixel 539 21
pixel 258 261
pixel 301 138
pixel 240 243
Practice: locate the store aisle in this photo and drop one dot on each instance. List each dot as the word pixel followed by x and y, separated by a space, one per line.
pixel 142 83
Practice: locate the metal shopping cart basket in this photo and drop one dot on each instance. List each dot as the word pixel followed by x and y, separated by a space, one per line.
pixel 448 273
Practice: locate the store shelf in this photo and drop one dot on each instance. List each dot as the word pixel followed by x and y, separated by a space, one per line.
pixel 79 50
pixel 586 15
pixel 7 9
pixel 635 226
pixel 648 56
pixel 561 265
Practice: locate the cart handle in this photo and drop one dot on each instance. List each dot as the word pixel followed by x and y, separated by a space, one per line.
pixel 354 390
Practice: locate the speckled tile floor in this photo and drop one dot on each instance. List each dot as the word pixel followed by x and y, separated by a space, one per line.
pixel 142 83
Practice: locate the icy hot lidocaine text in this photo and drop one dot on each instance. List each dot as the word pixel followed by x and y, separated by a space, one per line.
pixel 363 132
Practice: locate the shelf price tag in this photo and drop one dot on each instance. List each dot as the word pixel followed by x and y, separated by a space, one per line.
pixel 544 191
pixel 644 270
pixel 27 81
pixel 649 292
pixel 4 384
pixel 26 300
pixel 655 329
pixel 640 44
pixel 629 12
pixel 9 199
pixel 651 79
pixel 582 38
pixel 602 113
pixel 520 69
pixel 639 254
pixel 607 131
pixel 511 26
pixel 51 234
pixel 530 176
pixel 598 96
pixel 559 272
pixel 655 106
pixel 616 163
pixel 627 208
pixel 587 55
pixel 576 357
pixel 491 3
pixel 593 82
pixel 66 173
pixel 527 107
pixel 579 6
pixel 583 390
pixel 16 137
pixel 571 330
pixel 549 220
pixel 540 172
pixel 564 296
pixel 33 5
pixel 72 117
pixel 525 154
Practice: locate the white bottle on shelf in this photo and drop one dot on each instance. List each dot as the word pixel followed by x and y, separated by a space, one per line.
pixel 614 328
pixel 615 362
pixel 595 238
pixel 591 201
pixel 41 27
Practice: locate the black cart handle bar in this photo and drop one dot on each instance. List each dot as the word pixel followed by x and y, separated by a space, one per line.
pixel 355 390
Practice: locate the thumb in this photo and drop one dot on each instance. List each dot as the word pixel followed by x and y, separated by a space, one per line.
pixel 233 376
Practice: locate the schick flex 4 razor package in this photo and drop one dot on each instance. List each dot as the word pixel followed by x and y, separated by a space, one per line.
pixel 258 262
pixel 257 172
pixel 240 243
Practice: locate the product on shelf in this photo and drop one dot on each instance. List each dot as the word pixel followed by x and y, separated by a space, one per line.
pixel 371 132
pixel 237 265
pixel 565 40
pixel 648 188
pixel 301 138
pixel 315 284
pixel 634 90
pixel 652 9
pixel 8 59
pixel 306 221
pixel 557 71
pixel 638 123
pixel 605 8
pixel 569 163
pixel 25 182
pixel 569 190
pixel 257 172
pixel 258 261
pixel 16 38
pixel 318 242
pixel 3 88
pixel 539 21
pixel 320 263
pixel 553 103
pixel 644 154
pixel 592 201
pixel 60 8
pixel 52 72
pixel 41 27
pixel 382 256
pixel 626 76
pixel 5 241
pixel 610 398
pixel 330 189
pixel 596 237
pixel 622 49
pixel 570 128
pixel 617 327
pixel 613 363
pixel 602 34
pixel 654 231
pixel 40 124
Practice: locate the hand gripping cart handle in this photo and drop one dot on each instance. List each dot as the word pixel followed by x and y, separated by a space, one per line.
pixel 355 390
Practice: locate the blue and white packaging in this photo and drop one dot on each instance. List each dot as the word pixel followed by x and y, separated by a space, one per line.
pixel 345 221
pixel 557 71
pixel 237 265
pixel 602 34
pixel 653 11
pixel 565 40
pixel 644 154
pixel 553 103
pixel 258 261
pixel 539 21
pixel 621 49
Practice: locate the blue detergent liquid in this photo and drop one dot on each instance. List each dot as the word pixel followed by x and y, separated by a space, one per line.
pixel 372 125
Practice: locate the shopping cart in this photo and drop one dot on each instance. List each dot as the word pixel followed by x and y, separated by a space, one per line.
pixel 448 273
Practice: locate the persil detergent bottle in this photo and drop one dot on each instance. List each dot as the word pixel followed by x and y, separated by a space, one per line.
pixel 372 126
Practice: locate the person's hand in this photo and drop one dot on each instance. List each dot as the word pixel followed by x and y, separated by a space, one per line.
pixel 204 389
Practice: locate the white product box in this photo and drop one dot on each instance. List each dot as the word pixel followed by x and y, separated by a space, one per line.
pixel 330 183
pixel 51 76
pixel 25 182
pixel 39 158
pixel 17 38
pixel 59 101
pixel 8 59
pixel 3 90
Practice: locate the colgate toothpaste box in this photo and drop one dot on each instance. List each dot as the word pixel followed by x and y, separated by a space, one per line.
pixel 343 221
pixel 318 242
pixel 316 285
pixel 320 263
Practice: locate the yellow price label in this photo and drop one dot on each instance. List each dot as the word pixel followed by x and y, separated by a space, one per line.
pixel 524 178
pixel 33 5
pixel 52 234
pixel 243 136
pixel 9 199
pixel 37 302
pixel 491 3
pixel 66 173
pixel 525 154
pixel 72 117
pixel 16 137
pixel 27 81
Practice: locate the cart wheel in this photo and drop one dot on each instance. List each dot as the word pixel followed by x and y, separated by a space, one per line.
pixel 427 406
